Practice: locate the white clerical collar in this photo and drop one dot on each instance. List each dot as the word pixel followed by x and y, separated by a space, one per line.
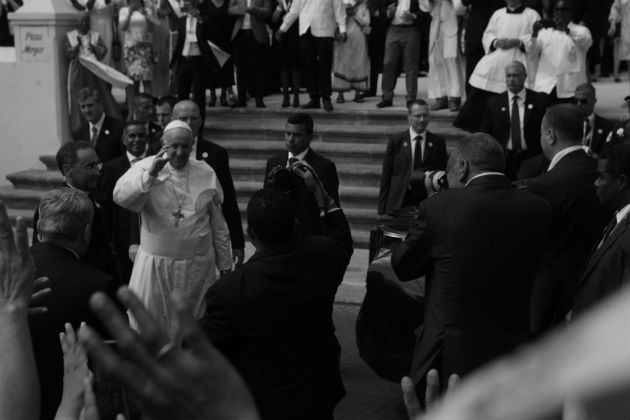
pixel 622 213
pixel 562 153
pixel 483 174
pixel 521 95
pixel 98 125
pixel 413 134
pixel 301 155
pixel 133 158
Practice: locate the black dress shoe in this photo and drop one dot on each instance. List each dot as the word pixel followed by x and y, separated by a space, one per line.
pixel 296 101
pixel 260 103
pixel 384 104
pixel 312 104
pixel 327 104
pixel 239 104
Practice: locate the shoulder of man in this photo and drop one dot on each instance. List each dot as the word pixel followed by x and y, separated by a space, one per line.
pixel 435 138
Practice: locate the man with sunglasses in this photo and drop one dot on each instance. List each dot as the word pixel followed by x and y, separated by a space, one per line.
pixel 561 46
pixel 596 128
pixel 80 166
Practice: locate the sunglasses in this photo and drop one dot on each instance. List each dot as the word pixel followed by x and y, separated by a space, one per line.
pixel 580 101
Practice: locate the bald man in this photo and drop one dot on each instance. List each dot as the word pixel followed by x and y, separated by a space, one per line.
pixel 514 117
pixel 183 234
pixel 217 157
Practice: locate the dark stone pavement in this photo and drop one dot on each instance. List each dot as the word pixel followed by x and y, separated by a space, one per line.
pixel 367 395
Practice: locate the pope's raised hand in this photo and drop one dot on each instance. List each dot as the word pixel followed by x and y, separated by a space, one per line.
pixel 160 160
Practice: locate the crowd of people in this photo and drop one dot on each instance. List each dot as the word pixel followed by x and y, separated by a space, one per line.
pixel 522 229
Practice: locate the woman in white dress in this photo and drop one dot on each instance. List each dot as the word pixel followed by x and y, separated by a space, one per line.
pixel 620 13
pixel 351 68
pixel 101 20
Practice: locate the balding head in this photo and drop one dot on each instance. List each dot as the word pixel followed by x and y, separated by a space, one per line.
pixel 472 155
pixel 188 111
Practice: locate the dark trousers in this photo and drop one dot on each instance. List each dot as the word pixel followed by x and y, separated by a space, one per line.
pixel 474 53
pixel 124 266
pixel 249 60
pixel 192 73
pixel 317 56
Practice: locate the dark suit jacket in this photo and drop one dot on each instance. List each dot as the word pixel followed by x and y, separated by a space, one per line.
pixel 397 167
pixel 109 143
pixel 208 58
pixel 99 253
pixel 72 283
pixel 124 225
pixel 324 168
pixel 272 319
pixel 578 219
pixel 601 129
pixel 496 119
pixel 533 167
pixel 607 268
pixel 217 157
pixel 479 248
pixel 258 16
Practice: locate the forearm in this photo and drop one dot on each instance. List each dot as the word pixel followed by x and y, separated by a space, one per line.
pixel 220 237
pixel 19 386
pixel 132 190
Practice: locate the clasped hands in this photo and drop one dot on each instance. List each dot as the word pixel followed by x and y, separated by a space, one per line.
pixel 507 43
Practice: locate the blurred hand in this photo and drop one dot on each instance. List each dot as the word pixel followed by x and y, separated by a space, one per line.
pixel 238 256
pixel 279 35
pixel 165 380
pixel 75 371
pixel 536 28
pixel 611 30
pixel 343 37
pixel 412 404
pixel 160 160
pixel 391 10
pixel 16 265
pixel 39 295
pixel 133 251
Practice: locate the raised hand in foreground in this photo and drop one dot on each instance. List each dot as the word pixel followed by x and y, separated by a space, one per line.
pixel 166 381
pixel 75 372
pixel 414 411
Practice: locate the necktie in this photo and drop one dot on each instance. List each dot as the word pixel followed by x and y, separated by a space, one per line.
pixel 587 131
pixel 94 136
pixel 417 153
pixel 515 126
pixel 293 160
pixel 607 231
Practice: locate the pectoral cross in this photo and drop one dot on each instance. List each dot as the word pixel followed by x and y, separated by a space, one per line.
pixel 178 215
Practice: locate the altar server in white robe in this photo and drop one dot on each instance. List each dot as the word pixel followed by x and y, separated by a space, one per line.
pixel 505 40
pixel 446 63
pixel 183 235
pixel 562 52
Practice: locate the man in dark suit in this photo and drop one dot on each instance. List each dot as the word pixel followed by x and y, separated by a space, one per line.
pixel 143 110
pixel 518 132
pixel 414 149
pixel 578 216
pixel 596 128
pixel 65 227
pixel 297 138
pixel 100 130
pixel 218 159
pixel 124 224
pixel 608 266
pixel 272 318
pixel 192 58
pixel 479 15
pixel 479 245
pixel 80 166
pixel 250 38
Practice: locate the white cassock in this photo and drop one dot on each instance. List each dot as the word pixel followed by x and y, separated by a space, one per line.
pixel 489 73
pixel 446 65
pixel 562 59
pixel 183 235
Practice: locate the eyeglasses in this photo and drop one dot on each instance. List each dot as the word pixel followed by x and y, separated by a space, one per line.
pixel 579 101
pixel 90 166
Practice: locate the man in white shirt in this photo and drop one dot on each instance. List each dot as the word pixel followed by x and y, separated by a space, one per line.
pixel 319 20
pixel 562 55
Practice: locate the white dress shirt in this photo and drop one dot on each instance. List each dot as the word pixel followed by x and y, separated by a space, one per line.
pixel 423 140
pixel 191 48
pixel 131 158
pixel 562 153
pixel 321 16
pixel 521 115
pixel 299 156
pixel 622 213
pixel 98 125
pixel 399 19
pixel 483 174
pixel 247 19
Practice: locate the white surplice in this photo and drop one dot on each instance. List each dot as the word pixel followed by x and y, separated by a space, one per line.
pixel 489 73
pixel 562 59
pixel 175 255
